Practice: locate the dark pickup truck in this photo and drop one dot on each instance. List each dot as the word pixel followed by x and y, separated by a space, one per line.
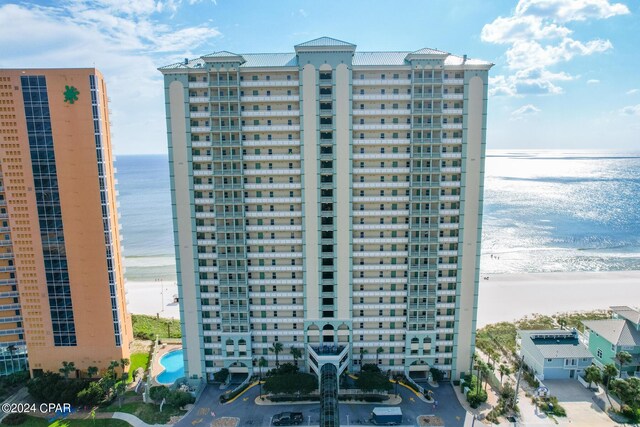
pixel 288 419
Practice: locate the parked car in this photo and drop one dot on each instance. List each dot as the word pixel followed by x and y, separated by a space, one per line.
pixel 288 419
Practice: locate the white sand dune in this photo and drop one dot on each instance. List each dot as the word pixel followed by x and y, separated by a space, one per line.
pixel 506 297
pixel 153 298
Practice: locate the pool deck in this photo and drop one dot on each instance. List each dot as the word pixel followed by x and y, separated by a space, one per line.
pixel 157 368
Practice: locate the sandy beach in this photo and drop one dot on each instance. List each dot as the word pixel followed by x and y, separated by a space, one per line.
pixel 506 297
pixel 153 298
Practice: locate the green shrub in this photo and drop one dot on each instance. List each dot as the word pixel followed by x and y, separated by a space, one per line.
pixel 15 419
pixel 291 383
pixel 476 397
pixel 436 374
pixel 178 398
pixel 551 406
pixel 92 395
pixel 233 393
pixel 373 381
pixel 629 413
pixel 221 376
pixel 157 393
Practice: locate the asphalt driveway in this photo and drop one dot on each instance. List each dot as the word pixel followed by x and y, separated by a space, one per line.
pixel 208 408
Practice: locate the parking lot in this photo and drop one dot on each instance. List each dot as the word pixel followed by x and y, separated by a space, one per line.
pixel 244 407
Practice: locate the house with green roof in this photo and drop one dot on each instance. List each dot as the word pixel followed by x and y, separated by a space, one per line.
pixel 607 338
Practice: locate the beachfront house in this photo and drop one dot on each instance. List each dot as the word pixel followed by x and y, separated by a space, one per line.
pixel 554 354
pixel 607 338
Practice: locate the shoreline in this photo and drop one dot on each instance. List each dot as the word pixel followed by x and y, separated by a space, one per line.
pixel 504 297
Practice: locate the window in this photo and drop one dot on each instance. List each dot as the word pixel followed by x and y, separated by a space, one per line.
pixel 599 353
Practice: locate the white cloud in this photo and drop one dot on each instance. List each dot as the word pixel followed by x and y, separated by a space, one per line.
pixel 593 81
pixel 124 39
pixel 571 10
pixel 631 110
pixel 532 81
pixel 538 39
pixel 632 91
pixel 529 54
pixel 524 111
pixel 303 13
pixel 514 28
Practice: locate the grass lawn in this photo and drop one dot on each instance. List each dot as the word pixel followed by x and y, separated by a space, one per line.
pixel 147 327
pixel 503 335
pixel 138 360
pixel 147 412
pixel 98 422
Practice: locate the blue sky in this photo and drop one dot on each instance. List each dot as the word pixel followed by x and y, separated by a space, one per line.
pixel 566 75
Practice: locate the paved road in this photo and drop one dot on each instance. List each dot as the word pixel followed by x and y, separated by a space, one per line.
pixel 253 415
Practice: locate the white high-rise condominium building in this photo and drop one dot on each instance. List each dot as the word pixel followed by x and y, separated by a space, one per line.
pixel 329 200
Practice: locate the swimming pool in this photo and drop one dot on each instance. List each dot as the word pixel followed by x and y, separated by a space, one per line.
pixel 173 364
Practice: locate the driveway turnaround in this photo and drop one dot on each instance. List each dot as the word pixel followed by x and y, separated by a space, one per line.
pixel 208 408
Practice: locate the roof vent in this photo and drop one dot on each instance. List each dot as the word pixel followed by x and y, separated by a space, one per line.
pixel 186 61
pixel 464 58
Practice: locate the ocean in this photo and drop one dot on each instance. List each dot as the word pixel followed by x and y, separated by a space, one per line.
pixel 544 211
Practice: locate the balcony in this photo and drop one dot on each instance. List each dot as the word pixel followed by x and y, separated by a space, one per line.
pixel 199 114
pixel 269 83
pixel 452 126
pixel 448 81
pixel 270 98
pixel 198 129
pixel 381 141
pixel 291 172
pixel 271 128
pixel 272 157
pixel 392 112
pixel 198 99
pixel 380 82
pixel 382 126
pixel 389 155
pixel 428 80
pixel 452 111
pixel 381 171
pixel 198 85
pixel 270 113
pixel 427 95
pixel 457 96
pixel 382 97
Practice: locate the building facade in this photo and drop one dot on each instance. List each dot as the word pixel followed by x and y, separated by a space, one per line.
pixel 329 200
pixel 61 277
pixel 554 354
pixel 608 338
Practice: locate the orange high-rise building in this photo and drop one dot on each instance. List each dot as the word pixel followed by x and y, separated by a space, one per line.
pixel 62 292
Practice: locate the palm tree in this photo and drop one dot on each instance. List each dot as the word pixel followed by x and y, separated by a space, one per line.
pixel 276 348
pixel 363 351
pixel 593 375
pixel 610 371
pixel 67 368
pixel 623 358
pixel 504 370
pixel 262 363
pixel 123 364
pixel 11 349
pixel 297 354
pixel 92 371
pixel 379 350
pixel 486 371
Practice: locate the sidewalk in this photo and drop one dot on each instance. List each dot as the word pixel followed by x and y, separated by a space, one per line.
pixel 135 421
